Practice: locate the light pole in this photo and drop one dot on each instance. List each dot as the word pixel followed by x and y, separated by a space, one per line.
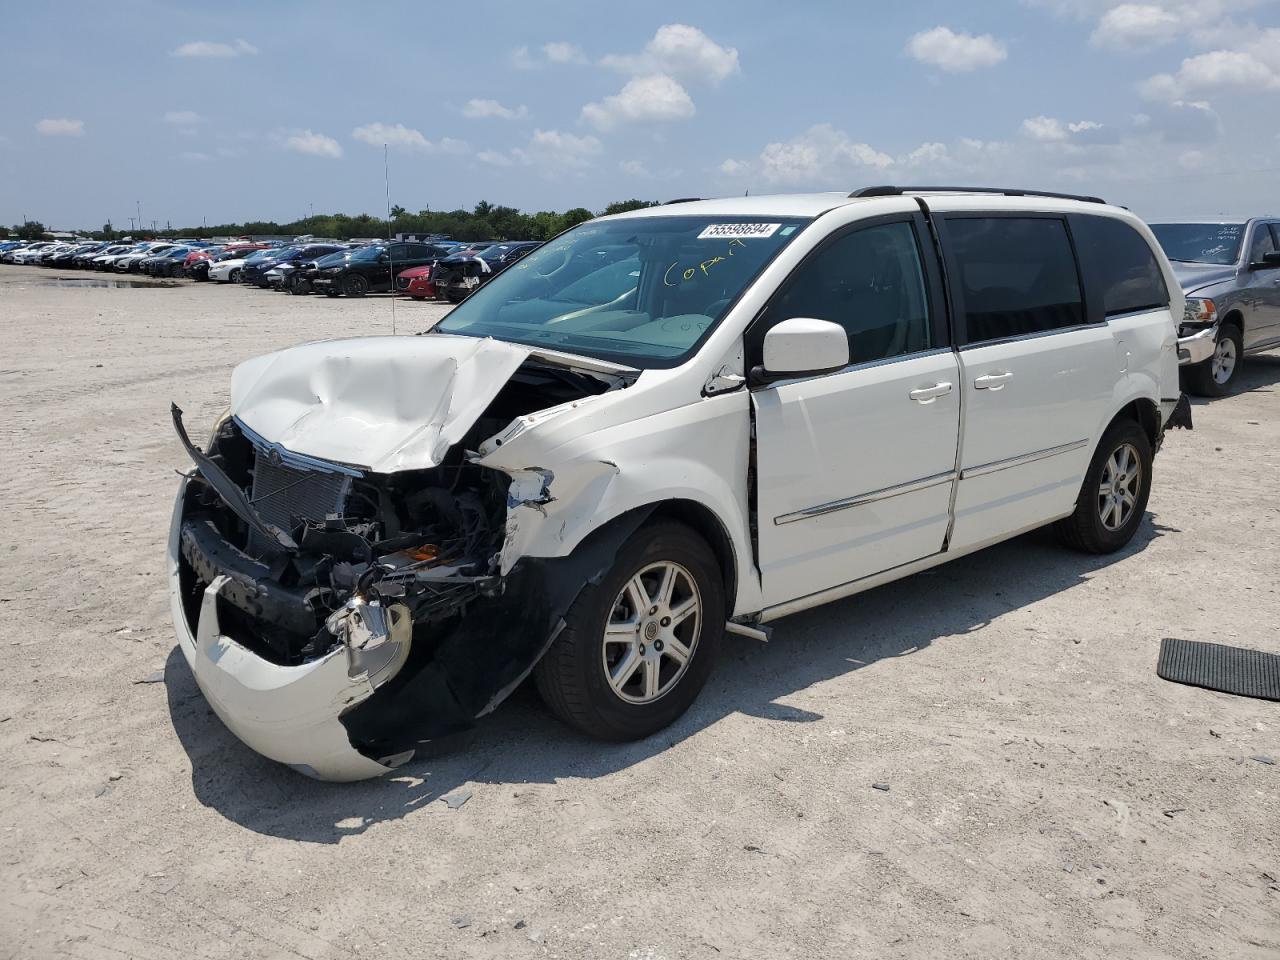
pixel 140 226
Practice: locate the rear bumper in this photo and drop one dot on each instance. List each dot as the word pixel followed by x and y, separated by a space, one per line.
pixel 1197 347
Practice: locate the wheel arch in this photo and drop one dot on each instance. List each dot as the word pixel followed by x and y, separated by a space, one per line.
pixel 1145 412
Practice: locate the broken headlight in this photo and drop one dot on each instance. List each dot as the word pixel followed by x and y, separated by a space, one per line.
pixel 377 637
pixel 217 428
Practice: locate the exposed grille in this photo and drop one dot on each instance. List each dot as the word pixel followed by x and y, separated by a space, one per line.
pixel 284 495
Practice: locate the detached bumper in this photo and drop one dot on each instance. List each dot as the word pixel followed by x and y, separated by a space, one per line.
pixel 1197 347
pixel 289 714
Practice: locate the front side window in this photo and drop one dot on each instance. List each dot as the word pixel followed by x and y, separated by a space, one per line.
pixel 869 281
pixel 1119 265
pixel 1263 243
pixel 682 274
pixel 1017 276
pixel 1200 242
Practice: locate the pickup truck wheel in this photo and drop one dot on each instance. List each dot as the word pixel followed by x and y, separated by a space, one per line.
pixel 638 645
pixel 355 286
pixel 1113 498
pixel 1216 377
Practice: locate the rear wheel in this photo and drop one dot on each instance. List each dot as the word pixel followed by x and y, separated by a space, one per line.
pixel 299 285
pixel 1216 377
pixel 1113 498
pixel 638 645
pixel 355 285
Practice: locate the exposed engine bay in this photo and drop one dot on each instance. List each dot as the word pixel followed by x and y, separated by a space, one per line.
pixel 402 568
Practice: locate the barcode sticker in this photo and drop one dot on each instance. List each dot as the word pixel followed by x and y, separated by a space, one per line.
pixel 738 231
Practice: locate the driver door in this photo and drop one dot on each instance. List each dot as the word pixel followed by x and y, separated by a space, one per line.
pixel 855 469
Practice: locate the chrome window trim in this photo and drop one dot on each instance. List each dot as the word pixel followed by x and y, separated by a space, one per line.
pixel 298 461
pixel 997 465
pixel 885 493
pixel 1036 334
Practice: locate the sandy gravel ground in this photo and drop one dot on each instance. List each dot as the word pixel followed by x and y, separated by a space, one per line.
pixel 1049 796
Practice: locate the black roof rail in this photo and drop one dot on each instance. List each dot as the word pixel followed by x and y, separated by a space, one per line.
pixel 667 203
pixel 888 191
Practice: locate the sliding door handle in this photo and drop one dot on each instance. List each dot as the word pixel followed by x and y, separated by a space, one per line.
pixel 992 381
pixel 930 393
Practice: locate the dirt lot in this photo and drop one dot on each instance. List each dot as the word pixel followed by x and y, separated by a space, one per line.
pixel 1049 796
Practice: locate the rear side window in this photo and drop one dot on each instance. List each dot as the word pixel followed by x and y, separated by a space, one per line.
pixel 1017 275
pixel 1119 265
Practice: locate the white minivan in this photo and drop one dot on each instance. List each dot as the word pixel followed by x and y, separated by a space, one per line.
pixel 660 426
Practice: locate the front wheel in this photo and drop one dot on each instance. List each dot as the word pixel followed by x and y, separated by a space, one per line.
pixel 233 277
pixel 638 645
pixel 355 286
pixel 1113 498
pixel 1216 377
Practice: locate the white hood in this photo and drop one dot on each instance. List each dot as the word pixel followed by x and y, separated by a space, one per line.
pixel 383 403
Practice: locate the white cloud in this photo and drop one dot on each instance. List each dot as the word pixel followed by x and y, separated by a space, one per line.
pixel 1052 130
pixel 1083 126
pixel 485 109
pixel 405 138
pixel 555 151
pixel 822 156
pixel 1136 25
pixel 928 154
pixel 1044 128
pixel 653 98
pixel 214 49
pixel 313 144
pixel 954 52
pixel 561 51
pixel 682 51
pixel 60 127
pixel 635 168
pixel 522 59
pixel 1257 67
pixel 494 158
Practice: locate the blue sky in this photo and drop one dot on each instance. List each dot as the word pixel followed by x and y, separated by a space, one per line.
pixel 231 110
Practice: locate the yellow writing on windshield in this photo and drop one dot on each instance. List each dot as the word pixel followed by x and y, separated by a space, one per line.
pixel 703 267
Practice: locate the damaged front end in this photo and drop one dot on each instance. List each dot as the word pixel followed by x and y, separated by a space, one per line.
pixel 338 618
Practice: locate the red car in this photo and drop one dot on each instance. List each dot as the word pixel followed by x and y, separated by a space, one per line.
pixel 416 282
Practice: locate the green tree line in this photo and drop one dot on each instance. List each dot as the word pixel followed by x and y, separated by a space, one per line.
pixel 486 221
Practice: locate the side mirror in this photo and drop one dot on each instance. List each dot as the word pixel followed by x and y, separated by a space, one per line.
pixel 802 347
pixel 1269 261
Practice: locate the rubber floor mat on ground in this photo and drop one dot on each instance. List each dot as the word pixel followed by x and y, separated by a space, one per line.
pixel 1215 666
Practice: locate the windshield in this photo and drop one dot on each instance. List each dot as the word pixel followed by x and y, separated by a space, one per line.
pixel 367 253
pixel 1200 242
pixel 641 291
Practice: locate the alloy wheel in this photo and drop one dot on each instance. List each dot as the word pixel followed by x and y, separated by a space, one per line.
pixel 1223 363
pixel 1120 485
pixel 652 632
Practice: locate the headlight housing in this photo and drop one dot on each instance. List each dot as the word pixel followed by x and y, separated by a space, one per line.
pixel 217 428
pixel 1200 312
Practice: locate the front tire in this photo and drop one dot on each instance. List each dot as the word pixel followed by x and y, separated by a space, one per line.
pixel 233 276
pixel 355 286
pixel 1216 377
pixel 638 645
pixel 1113 497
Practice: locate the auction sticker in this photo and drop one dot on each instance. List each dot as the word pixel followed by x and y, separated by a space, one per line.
pixel 738 231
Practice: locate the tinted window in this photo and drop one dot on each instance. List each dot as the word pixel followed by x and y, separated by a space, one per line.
pixel 1119 265
pixel 1017 275
pixel 1263 243
pixel 871 283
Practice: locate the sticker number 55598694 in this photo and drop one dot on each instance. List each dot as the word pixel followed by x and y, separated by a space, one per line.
pixel 738 231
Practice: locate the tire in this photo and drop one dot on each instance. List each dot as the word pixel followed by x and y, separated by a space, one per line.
pixel 414 296
pixel 573 677
pixel 233 276
pixel 355 285
pixel 1111 485
pixel 1217 376
pixel 300 286
pixel 330 292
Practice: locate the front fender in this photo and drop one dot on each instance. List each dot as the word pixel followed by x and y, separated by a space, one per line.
pixel 698 452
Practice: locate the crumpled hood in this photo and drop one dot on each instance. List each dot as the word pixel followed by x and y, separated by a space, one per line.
pixel 1193 276
pixel 383 403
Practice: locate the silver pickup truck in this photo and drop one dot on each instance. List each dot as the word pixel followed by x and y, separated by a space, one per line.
pixel 1230 273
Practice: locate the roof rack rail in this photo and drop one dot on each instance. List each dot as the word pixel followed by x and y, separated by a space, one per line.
pixel 667 203
pixel 889 191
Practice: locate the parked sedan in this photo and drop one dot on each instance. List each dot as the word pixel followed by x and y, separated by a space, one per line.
pixel 229 271
pixel 372 269
pixel 1230 273
pixel 256 273
pixel 458 276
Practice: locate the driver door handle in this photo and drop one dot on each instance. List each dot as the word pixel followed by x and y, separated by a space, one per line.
pixel 992 381
pixel 930 393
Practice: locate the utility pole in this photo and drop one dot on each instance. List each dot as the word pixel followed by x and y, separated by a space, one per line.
pixel 140 226
pixel 132 231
